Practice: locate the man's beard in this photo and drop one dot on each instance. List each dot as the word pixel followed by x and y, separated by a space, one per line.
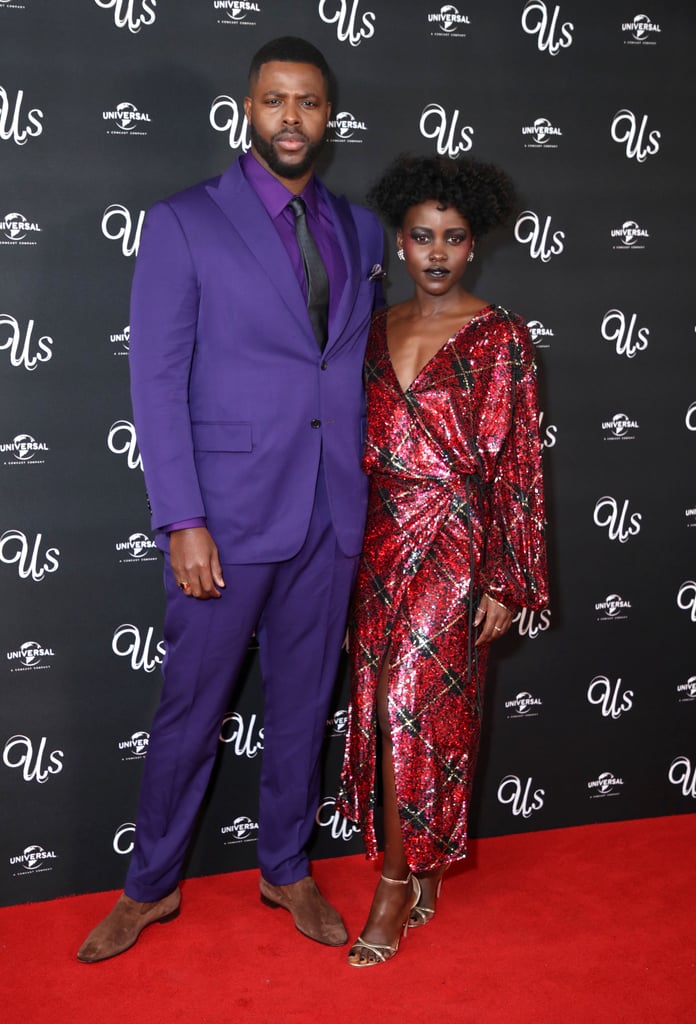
pixel 266 150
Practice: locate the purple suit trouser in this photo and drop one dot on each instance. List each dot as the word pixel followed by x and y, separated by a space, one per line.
pixel 298 609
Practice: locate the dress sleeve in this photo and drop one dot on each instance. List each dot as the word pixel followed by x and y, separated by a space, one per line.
pixel 515 571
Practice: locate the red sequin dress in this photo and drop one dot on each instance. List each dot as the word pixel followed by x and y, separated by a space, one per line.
pixel 455 511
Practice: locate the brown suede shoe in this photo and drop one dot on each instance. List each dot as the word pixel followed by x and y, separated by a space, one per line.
pixel 120 929
pixel 313 916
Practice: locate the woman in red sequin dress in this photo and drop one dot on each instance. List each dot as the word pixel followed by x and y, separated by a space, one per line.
pixel 454 543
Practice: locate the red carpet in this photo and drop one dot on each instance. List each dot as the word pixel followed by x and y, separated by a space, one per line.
pixel 593 925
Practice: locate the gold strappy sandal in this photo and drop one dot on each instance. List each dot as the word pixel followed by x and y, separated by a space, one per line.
pixel 382 953
pixel 422 915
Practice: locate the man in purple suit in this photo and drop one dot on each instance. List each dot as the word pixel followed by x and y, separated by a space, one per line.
pixel 249 318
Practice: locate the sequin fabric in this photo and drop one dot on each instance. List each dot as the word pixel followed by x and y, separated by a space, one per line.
pixel 456 510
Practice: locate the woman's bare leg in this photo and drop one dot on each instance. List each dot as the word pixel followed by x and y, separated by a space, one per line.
pixel 391 903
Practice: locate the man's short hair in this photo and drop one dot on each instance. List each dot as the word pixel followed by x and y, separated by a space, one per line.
pixel 290 50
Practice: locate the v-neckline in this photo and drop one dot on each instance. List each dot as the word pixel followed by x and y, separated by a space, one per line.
pixel 404 391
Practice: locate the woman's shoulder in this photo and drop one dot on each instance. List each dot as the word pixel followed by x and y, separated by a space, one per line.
pixel 515 327
pixel 508 315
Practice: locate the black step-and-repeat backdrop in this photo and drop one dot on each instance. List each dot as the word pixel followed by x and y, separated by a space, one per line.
pixel 107 105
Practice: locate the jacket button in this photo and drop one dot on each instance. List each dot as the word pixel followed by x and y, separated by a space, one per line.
pixel 324 364
pixel 316 424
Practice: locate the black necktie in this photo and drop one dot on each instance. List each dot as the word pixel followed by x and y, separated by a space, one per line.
pixel 315 273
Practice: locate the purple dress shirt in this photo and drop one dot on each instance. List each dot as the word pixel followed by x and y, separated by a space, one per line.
pixel 275 197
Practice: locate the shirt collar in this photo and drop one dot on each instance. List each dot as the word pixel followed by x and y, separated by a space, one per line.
pixel 272 193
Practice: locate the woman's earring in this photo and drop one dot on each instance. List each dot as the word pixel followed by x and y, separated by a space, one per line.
pixel 470 257
pixel 400 254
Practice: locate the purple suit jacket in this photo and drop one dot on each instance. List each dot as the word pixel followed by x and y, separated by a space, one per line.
pixel 233 402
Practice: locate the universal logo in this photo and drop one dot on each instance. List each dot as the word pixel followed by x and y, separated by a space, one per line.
pixel 328 816
pixel 540 335
pixel 641 30
pixel 23 448
pixel 135 748
pixel 631 131
pixel 126 119
pixel 450 138
pixel 36 765
pixel 609 697
pixel 121 440
pixel 32 560
pixel 246 737
pixel 541 135
pixel 531 623
pixel 226 115
pixel 18 230
pixel 449 21
pixel 140 648
pixel 629 236
pixel 620 428
pixel 537 234
pixel 687 690
pixel 121 341
pixel 686 598
pixel 242 830
pixel 606 784
pixel 524 705
pixel 690 514
pixel 131 14
pixel 612 608
pixel 620 523
pixel 138 548
pixel 32 861
pixel 352 23
pixel 14 124
pixel 344 127
pixel 682 773
pixel 118 225
pixel 337 725
pixel 236 11
pixel 19 342
pixel 29 657
pixel 520 796
pixel 539 20
pixel 620 329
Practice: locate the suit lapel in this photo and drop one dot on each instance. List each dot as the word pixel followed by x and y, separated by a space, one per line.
pixel 350 248
pixel 248 216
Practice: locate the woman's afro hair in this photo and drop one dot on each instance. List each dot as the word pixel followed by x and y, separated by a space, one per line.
pixel 480 192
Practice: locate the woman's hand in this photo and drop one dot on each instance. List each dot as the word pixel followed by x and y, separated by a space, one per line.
pixel 495 619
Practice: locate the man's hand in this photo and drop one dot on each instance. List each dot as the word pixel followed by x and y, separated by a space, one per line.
pixel 495 617
pixel 195 562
